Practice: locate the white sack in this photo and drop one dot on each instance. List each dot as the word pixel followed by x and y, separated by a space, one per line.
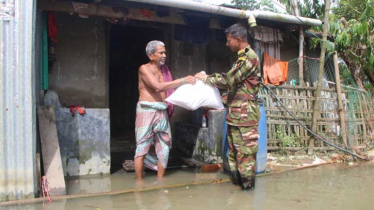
pixel 195 96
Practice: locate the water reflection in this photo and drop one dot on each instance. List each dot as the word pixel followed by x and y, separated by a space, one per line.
pixel 325 187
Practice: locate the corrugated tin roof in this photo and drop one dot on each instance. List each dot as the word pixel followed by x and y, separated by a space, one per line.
pixel 17 115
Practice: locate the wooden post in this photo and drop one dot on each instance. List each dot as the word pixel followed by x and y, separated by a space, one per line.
pixel 316 106
pixel 301 56
pixel 340 102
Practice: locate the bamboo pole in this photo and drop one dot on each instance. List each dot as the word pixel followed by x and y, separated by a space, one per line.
pixel 301 44
pixel 116 192
pixel 340 102
pixel 301 56
pixel 316 106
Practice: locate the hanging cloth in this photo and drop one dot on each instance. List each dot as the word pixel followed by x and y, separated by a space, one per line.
pixel 168 78
pixel 52 27
pixel 275 71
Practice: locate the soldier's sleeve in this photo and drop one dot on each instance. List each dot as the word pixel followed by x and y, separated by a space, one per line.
pixel 224 98
pixel 220 81
pixel 245 66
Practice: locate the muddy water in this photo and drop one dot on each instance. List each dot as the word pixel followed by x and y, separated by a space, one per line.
pixel 325 187
pixel 124 181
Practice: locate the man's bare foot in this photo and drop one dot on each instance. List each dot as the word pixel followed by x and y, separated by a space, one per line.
pixel 139 183
pixel 161 181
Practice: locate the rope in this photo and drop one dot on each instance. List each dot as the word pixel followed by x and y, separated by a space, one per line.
pixel 45 188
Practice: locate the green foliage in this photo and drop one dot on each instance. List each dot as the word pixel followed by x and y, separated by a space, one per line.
pixel 353 39
pixel 356 41
pixel 307 8
pixel 246 4
pixel 286 140
pixel 349 9
pixel 346 76
pixel 265 5
pixel 311 9
pixel 268 5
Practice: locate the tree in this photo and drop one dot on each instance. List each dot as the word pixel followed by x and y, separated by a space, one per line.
pixel 349 9
pixel 312 9
pixel 268 5
pixel 354 41
pixel 307 8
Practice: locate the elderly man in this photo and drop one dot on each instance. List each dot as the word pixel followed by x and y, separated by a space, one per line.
pixel 243 115
pixel 152 125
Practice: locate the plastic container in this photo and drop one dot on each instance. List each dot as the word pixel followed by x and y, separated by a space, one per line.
pixel 261 158
pixel 225 144
pixel 203 121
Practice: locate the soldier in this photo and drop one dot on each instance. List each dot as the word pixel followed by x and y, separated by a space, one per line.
pixel 243 110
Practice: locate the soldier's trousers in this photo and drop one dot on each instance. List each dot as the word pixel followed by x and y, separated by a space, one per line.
pixel 243 142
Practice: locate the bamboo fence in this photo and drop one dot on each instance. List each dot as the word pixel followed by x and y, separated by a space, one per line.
pixel 285 133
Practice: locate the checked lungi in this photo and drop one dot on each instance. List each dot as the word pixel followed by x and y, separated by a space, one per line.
pixel 153 136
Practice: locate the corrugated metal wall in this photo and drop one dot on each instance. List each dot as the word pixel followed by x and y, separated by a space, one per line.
pixel 17 100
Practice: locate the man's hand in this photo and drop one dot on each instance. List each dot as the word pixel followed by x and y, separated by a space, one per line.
pixel 200 76
pixel 189 80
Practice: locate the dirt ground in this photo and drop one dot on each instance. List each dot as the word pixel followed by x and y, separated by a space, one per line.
pixel 280 160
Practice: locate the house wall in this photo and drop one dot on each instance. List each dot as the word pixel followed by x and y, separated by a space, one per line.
pixel 289 49
pixel 189 59
pixel 80 75
pixel 81 71
pixel 18 179
pixel 289 52
pixel 185 59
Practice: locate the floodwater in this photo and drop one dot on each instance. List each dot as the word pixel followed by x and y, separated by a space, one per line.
pixel 325 187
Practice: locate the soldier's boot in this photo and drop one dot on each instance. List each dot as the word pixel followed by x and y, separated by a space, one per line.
pixel 235 178
pixel 248 183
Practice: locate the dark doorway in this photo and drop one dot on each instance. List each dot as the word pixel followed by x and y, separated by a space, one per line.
pixel 127 53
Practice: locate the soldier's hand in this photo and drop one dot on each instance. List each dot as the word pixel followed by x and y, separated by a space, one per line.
pixel 200 75
pixel 189 80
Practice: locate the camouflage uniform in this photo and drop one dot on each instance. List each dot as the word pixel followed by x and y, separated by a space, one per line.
pixel 243 115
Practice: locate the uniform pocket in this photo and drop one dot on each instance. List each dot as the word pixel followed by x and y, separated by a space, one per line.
pixel 234 112
pixel 250 138
pixel 239 111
